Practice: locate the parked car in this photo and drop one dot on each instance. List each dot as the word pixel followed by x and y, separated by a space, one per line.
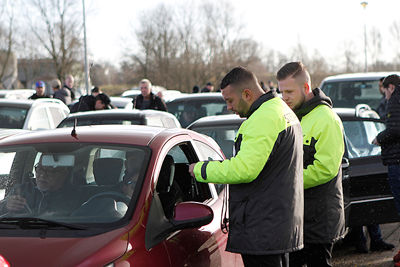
pixel 166 218
pixel 122 116
pixel 349 90
pixel 16 93
pixel 368 198
pixel 191 107
pixel 39 114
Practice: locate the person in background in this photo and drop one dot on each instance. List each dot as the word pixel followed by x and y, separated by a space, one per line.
pixel 86 102
pixel 208 88
pixel 60 93
pixel 382 108
pixel 323 146
pixel 69 85
pixel 195 89
pixel 40 91
pixel 389 140
pixel 148 100
pixel 264 177
pixel 102 101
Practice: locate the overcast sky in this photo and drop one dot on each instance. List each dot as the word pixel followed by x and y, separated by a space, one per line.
pixel 317 24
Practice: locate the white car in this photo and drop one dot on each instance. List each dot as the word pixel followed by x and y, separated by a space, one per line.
pixel 39 114
pixel 16 93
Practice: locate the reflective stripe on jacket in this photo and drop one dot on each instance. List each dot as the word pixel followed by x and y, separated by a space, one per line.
pixel 266 192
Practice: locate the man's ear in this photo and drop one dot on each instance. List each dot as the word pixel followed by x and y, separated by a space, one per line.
pixel 306 87
pixel 247 95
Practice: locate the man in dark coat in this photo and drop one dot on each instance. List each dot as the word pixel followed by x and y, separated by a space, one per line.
pixel 323 147
pixel 148 100
pixel 40 91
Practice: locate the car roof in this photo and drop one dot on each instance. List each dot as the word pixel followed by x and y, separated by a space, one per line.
pixel 118 113
pixel 26 103
pixel 217 120
pixel 111 134
pixel 197 96
pixel 366 76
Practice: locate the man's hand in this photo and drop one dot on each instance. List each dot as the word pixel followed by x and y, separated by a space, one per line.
pixel 191 168
pixel 15 203
pixel 375 142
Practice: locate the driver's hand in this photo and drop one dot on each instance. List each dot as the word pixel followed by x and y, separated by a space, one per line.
pixel 15 203
pixel 191 168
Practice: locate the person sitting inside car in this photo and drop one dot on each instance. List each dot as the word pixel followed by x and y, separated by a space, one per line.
pixel 52 194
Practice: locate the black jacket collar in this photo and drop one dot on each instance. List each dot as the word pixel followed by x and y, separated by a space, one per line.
pixel 319 99
pixel 263 98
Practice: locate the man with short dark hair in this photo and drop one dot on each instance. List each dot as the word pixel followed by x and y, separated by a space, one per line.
pixel 40 91
pixel 264 177
pixel 148 100
pixel 208 88
pixel 323 147
pixel 61 93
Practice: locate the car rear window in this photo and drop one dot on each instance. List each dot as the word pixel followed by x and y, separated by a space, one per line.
pixel 12 117
pixel 348 94
pixel 99 121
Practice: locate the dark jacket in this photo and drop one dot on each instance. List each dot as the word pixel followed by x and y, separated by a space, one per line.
pixel 64 95
pixel 71 90
pixel 155 103
pixel 323 146
pixel 390 137
pixel 61 202
pixel 85 103
pixel 382 108
pixel 35 96
pixel 265 177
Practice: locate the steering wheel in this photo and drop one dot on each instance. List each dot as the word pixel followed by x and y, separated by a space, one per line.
pixel 117 196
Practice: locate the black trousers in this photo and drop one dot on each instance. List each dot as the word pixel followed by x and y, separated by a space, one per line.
pixel 312 255
pixel 276 260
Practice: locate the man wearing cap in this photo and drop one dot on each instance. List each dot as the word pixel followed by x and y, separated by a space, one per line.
pixel 40 91
pixel 52 192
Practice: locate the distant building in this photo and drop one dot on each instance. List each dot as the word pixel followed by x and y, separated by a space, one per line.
pixel 32 70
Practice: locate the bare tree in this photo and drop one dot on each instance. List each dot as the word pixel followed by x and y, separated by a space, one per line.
pixel 58 30
pixel 375 48
pixel 395 31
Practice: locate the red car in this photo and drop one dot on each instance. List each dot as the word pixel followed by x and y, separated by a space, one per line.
pixel 109 196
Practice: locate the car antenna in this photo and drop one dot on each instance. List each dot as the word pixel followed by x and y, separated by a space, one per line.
pixel 73 132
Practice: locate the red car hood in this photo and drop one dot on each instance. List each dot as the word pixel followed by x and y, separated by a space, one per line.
pixel 86 251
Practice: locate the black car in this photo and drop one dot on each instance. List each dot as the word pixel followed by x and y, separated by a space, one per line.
pixel 121 116
pixel 368 198
pixel 190 107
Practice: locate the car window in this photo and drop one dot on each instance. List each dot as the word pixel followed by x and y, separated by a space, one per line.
pixel 57 114
pixel 359 135
pixel 39 119
pixel 188 111
pixel 348 94
pixel 174 182
pixel 154 121
pixel 12 118
pixel 72 183
pixel 209 153
pixel 223 135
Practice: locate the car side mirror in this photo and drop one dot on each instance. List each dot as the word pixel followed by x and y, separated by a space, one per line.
pixel 192 215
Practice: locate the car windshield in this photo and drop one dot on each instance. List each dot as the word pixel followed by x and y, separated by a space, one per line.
pixel 99 121
pixel 188 111
pixel 12 117
pixel 359 136
pixel 223 135
pixel 348 94
pixel 70 183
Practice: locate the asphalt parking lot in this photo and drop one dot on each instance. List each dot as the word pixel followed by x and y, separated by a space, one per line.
pixel 345 255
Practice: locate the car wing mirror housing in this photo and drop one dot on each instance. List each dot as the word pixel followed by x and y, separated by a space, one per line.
pixel 192 215
pixel 186 215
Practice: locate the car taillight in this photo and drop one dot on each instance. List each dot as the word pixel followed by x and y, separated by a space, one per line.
pixel 4 262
